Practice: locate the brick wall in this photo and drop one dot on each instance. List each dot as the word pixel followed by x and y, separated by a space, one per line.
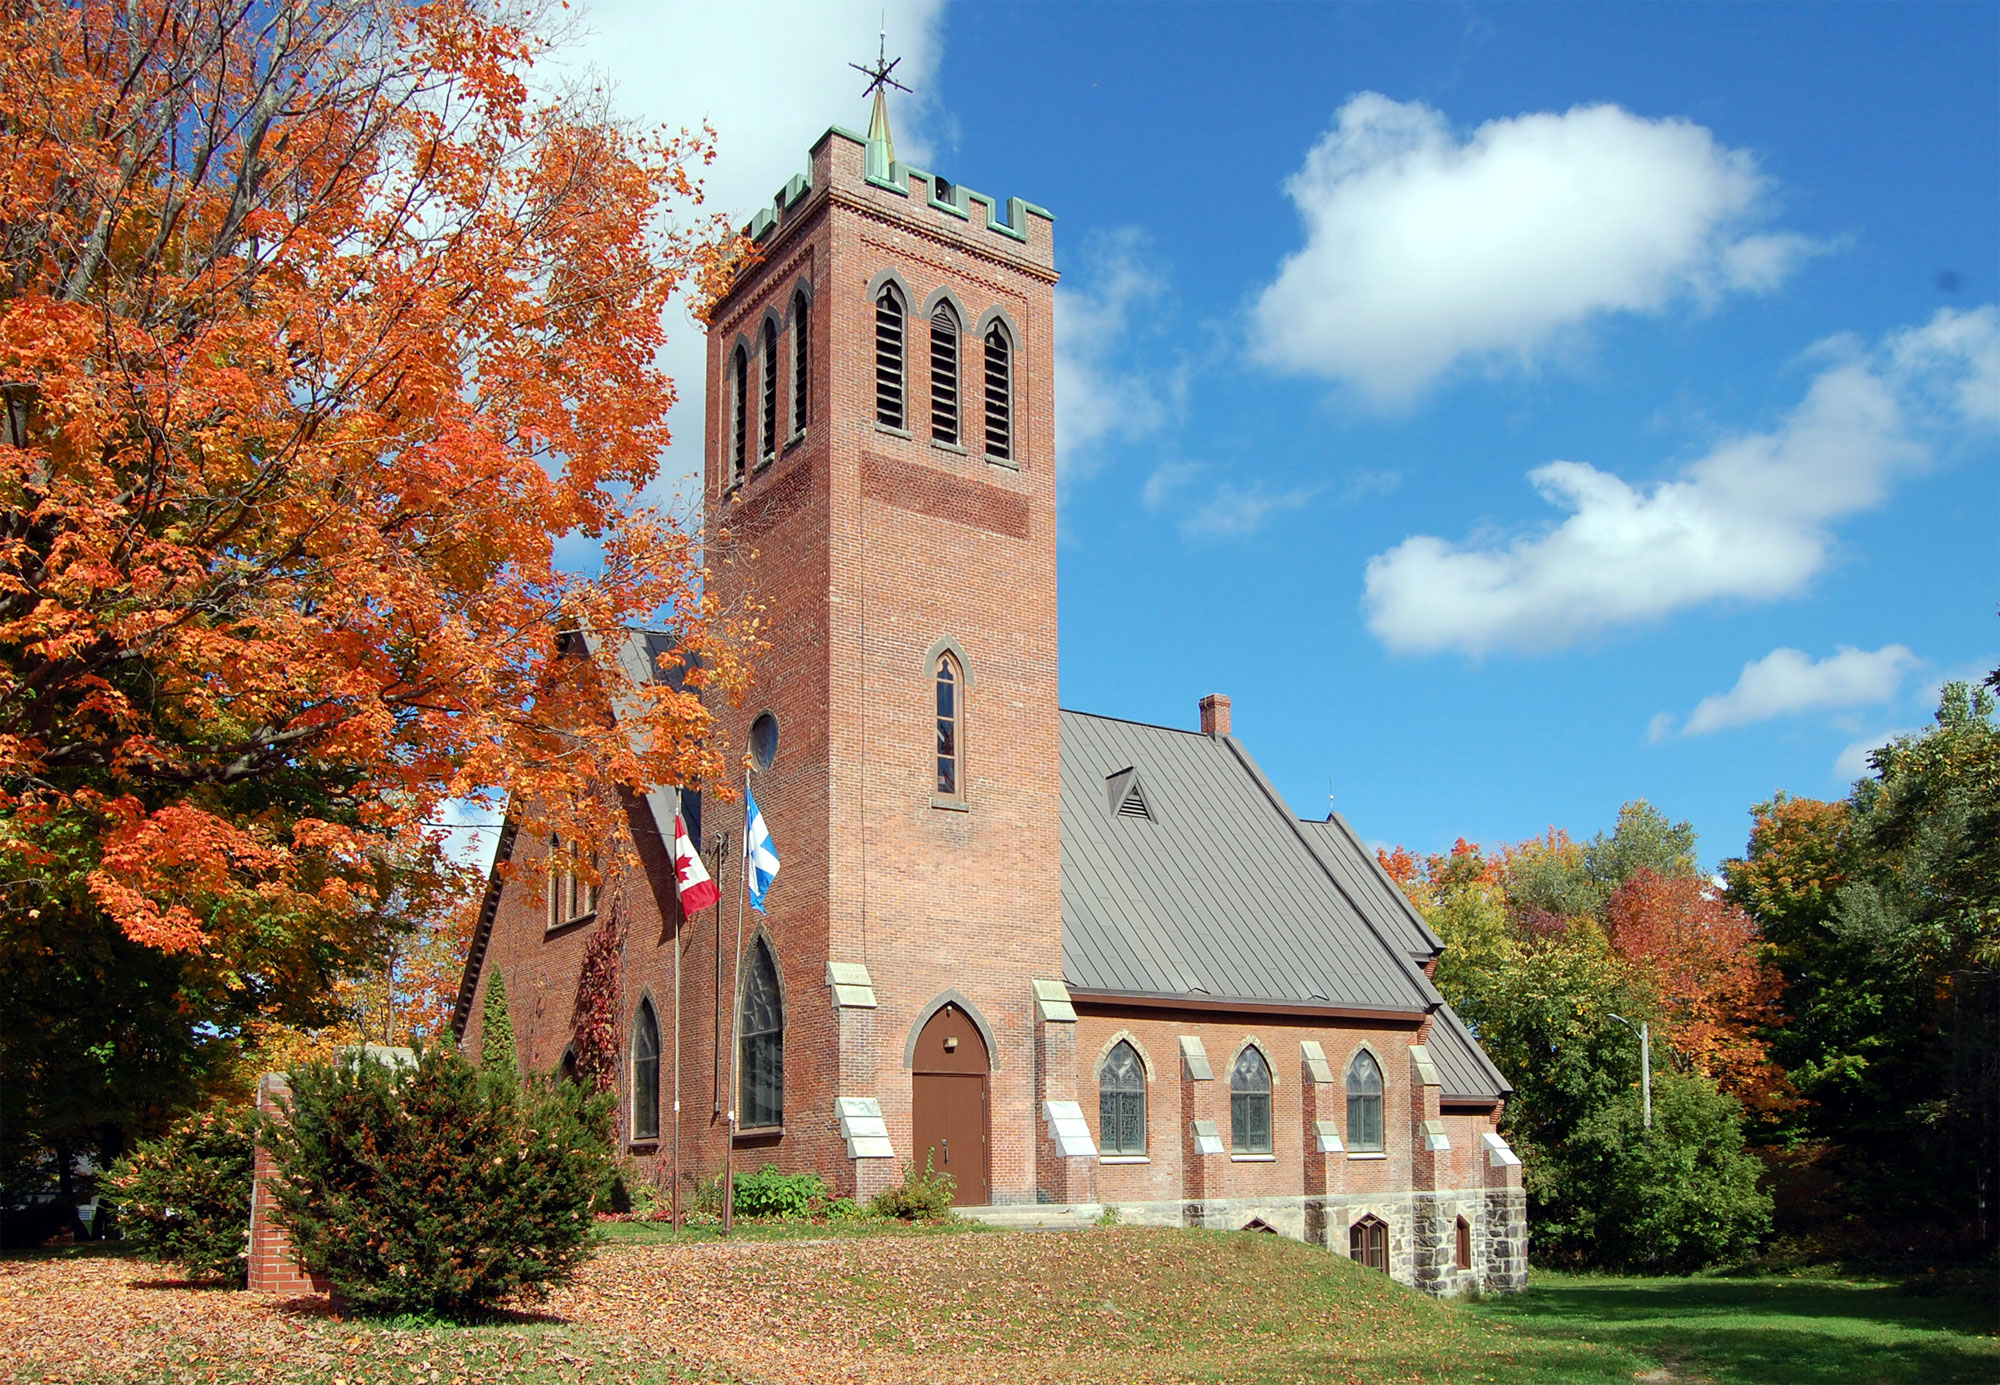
pixel 272 1268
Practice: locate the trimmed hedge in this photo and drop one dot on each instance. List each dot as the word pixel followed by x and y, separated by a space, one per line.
pixel 185 1197
pixel 436 1188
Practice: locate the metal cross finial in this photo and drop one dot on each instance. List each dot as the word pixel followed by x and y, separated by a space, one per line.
pixel 878 75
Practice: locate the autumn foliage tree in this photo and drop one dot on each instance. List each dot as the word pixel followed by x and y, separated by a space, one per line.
pixel 318 331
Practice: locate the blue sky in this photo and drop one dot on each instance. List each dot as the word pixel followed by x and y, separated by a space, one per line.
pixel 1515 409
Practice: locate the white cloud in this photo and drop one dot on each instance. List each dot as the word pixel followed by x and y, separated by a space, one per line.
pixel 1102 394
pixel 1225 510
pixel 1747 522
pixel 1788 681
pixel 1231 511
pixel 770 76
pixel 1852 762
pixel 1423 249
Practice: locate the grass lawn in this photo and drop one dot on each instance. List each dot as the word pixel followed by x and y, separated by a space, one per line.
pixel 864 1303
pixel 1770 1331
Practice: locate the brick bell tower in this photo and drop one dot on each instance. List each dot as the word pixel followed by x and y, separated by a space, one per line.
pixel 881 473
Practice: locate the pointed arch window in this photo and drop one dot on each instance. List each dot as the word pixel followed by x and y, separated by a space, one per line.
pixel 950 685
pixel 646 1073
pixel 1121 1101
pixel 944 374
pixel 571 897
pixel 801 361
pixel 1364 1104
pixel 739 403
pixel 1250 1103
pixel 889 357
pixel 999 393
pixel 767 439
pixel 761 1032
pixel 1368 1242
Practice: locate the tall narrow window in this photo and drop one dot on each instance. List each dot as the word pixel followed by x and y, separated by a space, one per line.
pixel 1250 1103
pixel 571 897
pixel 801 362
pixel 944 374
pixel 646 1074
pixel 1368 1242
pixel 950 728
pixel 999 393
pixel 889 357
pixel 762 1100
pixel 1121 1101
pixel 739 434
pixel 1364 1104
pixel 1464 1244
pixel 767 440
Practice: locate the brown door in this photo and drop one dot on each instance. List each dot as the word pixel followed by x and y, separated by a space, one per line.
pixel 948 1099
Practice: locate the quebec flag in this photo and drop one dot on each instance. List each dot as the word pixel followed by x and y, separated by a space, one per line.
pixel 759 853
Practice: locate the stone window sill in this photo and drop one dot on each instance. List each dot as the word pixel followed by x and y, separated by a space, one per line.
pixel 576 922
pixel 1124 1159
pixel 950 805
pixel 941 445
pixel 882 427
pixel 1253 1158
pixel 795 439
pixel 759 1134
pixel 1368 1154
pixel 1003 462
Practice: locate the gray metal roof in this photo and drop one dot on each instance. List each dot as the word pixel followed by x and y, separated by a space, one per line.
pixel 1468 1074
pixel 1344 854
pixel 1218 892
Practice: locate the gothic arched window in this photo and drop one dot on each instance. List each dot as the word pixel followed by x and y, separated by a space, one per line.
pixel 950 683
pixel 801 361
pixel 889 357
pixel 944 374
pixel 761 1102
pixel 999 393
pixel 646 1074
pixel 767 442
pixel 1250 1103
pixel 1121 1101
pixel 1368 1242
pixel 739 428
pixel 1364 1104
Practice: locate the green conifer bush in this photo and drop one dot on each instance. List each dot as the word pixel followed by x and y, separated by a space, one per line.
pixel 185 1197
pixel 438 1188
pixel 496 1030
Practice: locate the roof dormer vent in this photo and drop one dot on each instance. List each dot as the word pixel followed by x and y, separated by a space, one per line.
pixel 1127 796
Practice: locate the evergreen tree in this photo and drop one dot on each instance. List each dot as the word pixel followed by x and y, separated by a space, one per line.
pixel 496 1031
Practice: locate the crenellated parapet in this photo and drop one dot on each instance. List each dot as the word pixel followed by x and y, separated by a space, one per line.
pixel 877 173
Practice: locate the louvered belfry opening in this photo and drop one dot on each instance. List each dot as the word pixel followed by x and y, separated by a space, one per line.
pixel 740 424
pixel 944 374
pixel 767 446
pixel 801 361
pixel 999 393
pixel 889 358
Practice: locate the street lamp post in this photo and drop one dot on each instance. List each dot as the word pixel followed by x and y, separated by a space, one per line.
pixel 1645 1033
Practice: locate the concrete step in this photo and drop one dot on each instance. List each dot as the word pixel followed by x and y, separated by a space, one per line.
pixel 1064 1216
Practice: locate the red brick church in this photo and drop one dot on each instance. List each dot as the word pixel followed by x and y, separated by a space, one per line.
pixel 1077 962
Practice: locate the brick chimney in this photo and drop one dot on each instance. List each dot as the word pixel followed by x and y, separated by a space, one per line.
pixel 1215 715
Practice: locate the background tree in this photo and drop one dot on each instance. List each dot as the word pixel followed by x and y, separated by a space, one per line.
pixel 317 333
pixel 497 1053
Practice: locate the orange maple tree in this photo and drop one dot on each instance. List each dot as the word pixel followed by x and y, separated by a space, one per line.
pixel 1715 986
pixel 318 333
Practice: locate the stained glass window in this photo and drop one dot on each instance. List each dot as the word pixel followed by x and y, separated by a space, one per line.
pixel 1121 1101
pixel 646 1074
pixel 762 1102
pixel 950 750
pixel 1250 1103
pixel 1364 1104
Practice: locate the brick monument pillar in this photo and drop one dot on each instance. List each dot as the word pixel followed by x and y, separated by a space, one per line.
pixel 273 1270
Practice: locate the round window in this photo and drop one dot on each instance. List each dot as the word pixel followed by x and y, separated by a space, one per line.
pixel 763 741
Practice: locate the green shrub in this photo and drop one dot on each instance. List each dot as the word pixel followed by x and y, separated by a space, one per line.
pixel 922 1196
pixel 185 1197
pixel 1670 1200
pixel 842 1209
pixel 769 1193
pixel 436 1189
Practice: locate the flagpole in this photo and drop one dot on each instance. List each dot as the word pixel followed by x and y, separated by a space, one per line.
pixel 735 1047
pixel 678 929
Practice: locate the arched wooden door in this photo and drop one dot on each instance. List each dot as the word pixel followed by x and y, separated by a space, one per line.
pixel 948 1104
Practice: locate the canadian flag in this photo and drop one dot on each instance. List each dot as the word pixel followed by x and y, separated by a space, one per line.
pixel 697 891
